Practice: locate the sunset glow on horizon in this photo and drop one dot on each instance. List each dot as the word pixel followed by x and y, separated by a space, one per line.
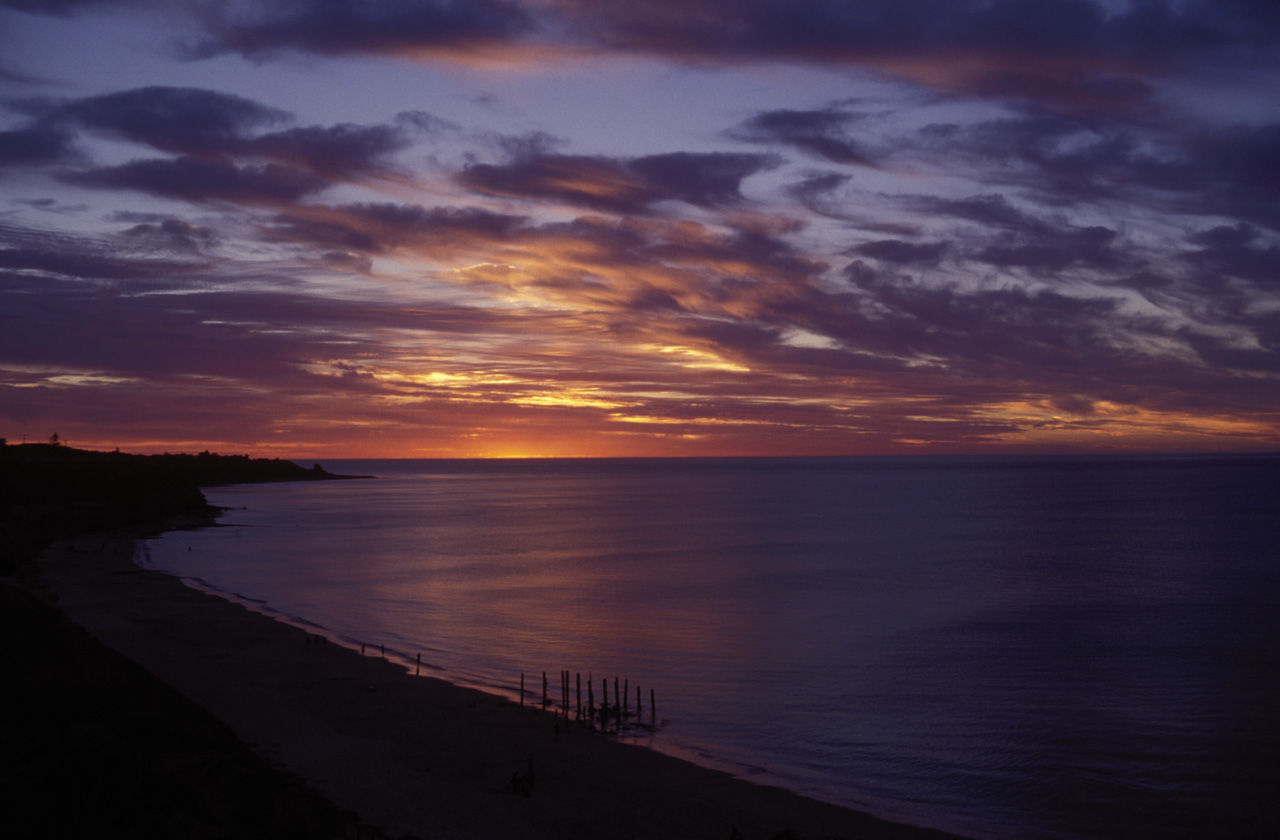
pixel 552 228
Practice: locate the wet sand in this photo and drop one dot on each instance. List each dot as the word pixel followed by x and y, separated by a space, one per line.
pixel 413 755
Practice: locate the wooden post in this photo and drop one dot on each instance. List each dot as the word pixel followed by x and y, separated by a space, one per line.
pixel 579 695
pixel 417 669
pixel 604 704
pixel 626 696
pixel 653 707
pixel 522 688
pixel 637 701
pixel 617 701
pixel 591 696
pixel 544 689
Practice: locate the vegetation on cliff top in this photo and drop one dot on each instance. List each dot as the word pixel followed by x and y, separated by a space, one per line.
pixel 49 491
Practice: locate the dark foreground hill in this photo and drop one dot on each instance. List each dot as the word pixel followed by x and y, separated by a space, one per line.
pixel 94 745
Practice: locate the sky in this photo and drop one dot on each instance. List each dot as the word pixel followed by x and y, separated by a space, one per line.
pixel 520 228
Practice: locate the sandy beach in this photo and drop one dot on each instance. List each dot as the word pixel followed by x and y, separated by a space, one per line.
pixel 412 755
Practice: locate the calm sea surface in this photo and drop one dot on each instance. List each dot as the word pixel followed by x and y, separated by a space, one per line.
pixel 1003 647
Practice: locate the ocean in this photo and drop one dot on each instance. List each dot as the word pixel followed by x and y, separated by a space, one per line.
pixel 1065 648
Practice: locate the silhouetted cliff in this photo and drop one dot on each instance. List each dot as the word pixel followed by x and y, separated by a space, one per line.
pixel 49 491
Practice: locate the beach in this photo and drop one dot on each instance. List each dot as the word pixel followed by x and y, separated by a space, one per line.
pixel 412 755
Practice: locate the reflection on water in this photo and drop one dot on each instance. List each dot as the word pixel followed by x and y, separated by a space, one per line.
pixel 1032 648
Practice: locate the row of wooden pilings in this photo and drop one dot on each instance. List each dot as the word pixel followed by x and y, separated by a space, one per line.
pixel 618 712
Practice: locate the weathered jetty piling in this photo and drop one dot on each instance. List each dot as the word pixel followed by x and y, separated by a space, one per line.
pixel 614 717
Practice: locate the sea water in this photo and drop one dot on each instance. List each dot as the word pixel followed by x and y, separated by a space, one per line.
pixel 1013 647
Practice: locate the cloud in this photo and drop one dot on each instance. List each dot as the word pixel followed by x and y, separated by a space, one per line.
pixel 1237 173
pixel 1236 251
pixel 903 253
pixel 171 235
pixel 210 125
pixel 57 7
pixel 1088 56
pixel 63 256
pixel 383 228
pixel 620 185
pixel 1085 56
pixel 991 209
pixel 409 27
pixel 337 152
pixel 87 266
pixel 201 181
pixel 1057 250
pixel 819 132
pixel 172 119
pixel 36 145
pixel 1188 170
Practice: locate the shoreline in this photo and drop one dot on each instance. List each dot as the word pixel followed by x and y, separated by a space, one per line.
pixel 412 755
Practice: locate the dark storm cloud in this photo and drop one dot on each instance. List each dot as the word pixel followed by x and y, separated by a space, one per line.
pixel 1072 52
pixel 172 235
pixel 199 181
pixel 990 209
pixel 57 7
pixel 622 185
pixel 1217 353
pixel 1065 159
pixel 1232 171
pixel 37 145
pixel 211 125
pixel 1057 250
pixel 182 120
pixel 836 29
pixel 96 266
pixel 123 257
pixel 1239 174
pixel 70 302
pixel 1236 251
pixel 823 133
pixel 1008 237
pixel 378 228
pixel 903 253
pixel 1010 325
pixel 817 185
pixel 75 326
pixel 340 151
pixel 335 27
pixel 1091 56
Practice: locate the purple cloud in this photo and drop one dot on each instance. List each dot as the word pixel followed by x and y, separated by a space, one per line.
pixel 620 185
pixel 333 27
pixel 200 181
pixel 822 133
